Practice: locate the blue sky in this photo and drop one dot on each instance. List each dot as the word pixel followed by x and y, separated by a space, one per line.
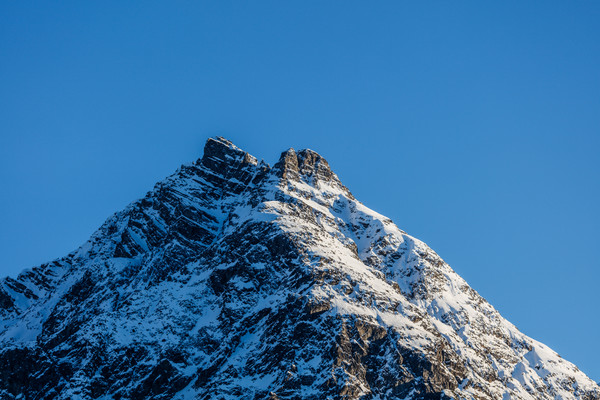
pixel 475 126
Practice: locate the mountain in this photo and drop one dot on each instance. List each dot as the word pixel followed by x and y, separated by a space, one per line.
pixel 232 279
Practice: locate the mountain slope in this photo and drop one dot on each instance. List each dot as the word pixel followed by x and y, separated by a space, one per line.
pixel 234 279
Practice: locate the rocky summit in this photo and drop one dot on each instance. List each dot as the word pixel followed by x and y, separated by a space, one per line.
pixel 233 279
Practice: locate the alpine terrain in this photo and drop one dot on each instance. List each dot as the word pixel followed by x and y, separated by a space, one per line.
pixel 233 279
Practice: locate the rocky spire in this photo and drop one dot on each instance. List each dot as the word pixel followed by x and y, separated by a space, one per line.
pixel 310 163
pixel 287 166
pixel 220 154
pixel 229 167
pixel 304 163
pixel 309 167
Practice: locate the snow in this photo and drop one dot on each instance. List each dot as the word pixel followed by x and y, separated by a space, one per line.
pixel 227 289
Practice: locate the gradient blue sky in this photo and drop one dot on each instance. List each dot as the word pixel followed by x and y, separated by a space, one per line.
pixel 474 125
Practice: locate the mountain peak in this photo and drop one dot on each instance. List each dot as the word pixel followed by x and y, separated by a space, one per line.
pixel 313 164
pixel 304 163
pixel 236 280
pixel 220 153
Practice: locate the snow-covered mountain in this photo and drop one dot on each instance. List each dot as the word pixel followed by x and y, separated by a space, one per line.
pixel 232 279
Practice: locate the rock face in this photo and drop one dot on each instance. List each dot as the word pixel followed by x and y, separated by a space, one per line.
pixel 232 279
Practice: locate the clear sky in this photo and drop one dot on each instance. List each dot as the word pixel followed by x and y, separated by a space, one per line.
pixel 474 125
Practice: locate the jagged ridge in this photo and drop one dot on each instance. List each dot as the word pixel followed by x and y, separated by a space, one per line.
pixel 234 279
